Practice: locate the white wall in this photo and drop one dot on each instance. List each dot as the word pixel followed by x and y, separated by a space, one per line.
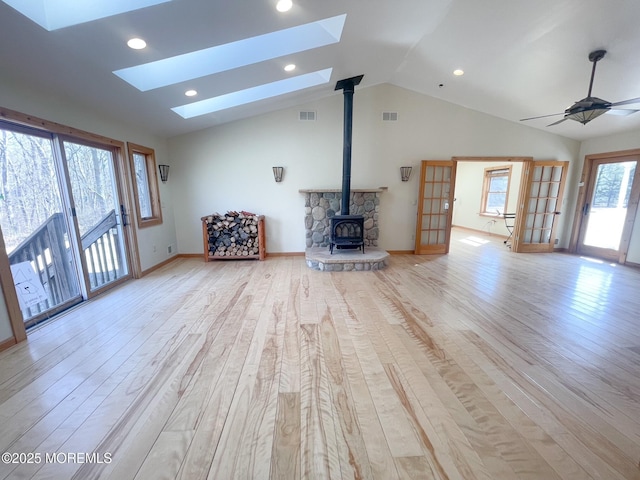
pixel 468 194
pixel 64 111
pixel 229 167
pixel 615 143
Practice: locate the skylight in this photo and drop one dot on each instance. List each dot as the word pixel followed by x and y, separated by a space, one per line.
pixel 253 94
pixel 55 14
pixel 232 55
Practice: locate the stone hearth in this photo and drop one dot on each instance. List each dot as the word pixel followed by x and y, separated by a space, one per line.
pixel 319 258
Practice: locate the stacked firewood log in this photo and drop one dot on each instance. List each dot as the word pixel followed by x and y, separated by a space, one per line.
pixel 234 234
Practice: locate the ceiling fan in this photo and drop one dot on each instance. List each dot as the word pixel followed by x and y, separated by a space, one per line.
pixel 588 108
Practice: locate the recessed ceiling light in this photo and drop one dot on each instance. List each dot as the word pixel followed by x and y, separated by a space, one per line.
pixel 284 5
pixel 458 72
pixel 289 68
pixel 190 93
pixel 137 43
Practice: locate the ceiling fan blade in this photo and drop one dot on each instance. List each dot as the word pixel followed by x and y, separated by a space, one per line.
pixel 556 123
pixel 621 111
pixel 626 102
pixel 541 116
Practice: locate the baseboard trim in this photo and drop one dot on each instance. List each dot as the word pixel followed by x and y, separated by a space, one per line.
pixel 9 342
pixel 401 252
pixel 159 265
pixel 285 254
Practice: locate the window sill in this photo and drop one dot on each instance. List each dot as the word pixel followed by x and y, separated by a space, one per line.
pixel 149 222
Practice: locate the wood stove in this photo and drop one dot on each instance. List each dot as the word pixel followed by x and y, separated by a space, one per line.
pixel 347 232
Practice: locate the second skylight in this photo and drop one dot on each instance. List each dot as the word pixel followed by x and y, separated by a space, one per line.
pixel 232 55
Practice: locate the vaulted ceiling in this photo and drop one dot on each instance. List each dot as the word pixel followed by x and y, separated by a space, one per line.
pixel 521 58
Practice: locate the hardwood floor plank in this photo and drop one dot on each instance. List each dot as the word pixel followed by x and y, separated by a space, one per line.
pixel 290 363
pixel 285 463
pixel 400 435
pixel 354 461
pixel 245 446
pixel 317 428
pixel 480 364
pixel 382 463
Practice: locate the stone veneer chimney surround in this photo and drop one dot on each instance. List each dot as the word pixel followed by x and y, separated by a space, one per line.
pixel 322 204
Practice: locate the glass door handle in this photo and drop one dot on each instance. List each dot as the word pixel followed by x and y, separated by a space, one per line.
pixel 123 215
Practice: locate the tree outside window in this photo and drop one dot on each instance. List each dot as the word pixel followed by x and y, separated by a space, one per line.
pixel 495 190
pixel 143 168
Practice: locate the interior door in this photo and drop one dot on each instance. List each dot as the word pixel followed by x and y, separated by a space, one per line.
pixel 435 206
pixel 539 205
pixel 609 207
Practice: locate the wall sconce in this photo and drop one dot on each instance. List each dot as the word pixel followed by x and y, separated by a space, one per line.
pixel 405 173
pixel 277 173
pixel 164 173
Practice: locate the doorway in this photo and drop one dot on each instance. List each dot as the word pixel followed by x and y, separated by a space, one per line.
pixel 607 205
pixel 60 219
pixel 538 206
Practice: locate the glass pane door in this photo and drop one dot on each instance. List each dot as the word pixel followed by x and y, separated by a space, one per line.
pixel 95 195
pixel 434 210
pixel 34 226
pixel 604 215
pixel 607 211
pixel 541 204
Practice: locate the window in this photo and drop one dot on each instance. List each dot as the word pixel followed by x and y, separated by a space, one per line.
pixel 143 168
pixel 495 190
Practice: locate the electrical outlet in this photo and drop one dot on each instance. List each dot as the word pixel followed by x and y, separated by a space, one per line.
pixel 154 249
pixel 556 241
pixel 170 249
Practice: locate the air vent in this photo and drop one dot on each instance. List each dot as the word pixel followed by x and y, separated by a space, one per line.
pixel 389 116
pixel 307 116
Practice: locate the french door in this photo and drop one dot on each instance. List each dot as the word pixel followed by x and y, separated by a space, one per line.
pixel 435 202
pixel 60 219
pixel 539 205
pixel 609 205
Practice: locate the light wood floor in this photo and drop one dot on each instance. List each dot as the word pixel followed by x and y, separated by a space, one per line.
pixel 480 364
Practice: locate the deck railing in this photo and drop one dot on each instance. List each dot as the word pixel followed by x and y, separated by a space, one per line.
pixel 48 251
pixel 101 248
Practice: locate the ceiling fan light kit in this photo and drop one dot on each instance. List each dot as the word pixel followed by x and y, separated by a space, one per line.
pixel 588 108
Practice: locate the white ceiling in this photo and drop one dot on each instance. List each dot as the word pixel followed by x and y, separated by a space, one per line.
pixel 521 58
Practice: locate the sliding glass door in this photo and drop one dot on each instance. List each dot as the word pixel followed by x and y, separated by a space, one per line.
pixel 34 224
pixel 61 219
pixel 95 197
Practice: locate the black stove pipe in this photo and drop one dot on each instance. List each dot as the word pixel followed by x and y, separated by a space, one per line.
pixel 348 87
